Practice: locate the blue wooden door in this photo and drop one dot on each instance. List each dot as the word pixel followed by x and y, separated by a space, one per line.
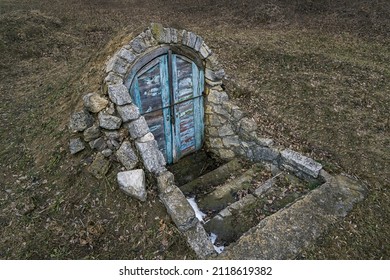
pixel 168 91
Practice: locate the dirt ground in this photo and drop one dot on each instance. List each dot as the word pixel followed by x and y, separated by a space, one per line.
pixel 314 74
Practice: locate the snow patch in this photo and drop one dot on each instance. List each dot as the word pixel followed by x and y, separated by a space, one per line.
pixel 213 238
pixel 199 214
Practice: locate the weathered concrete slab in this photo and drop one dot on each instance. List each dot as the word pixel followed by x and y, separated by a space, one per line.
pixel 199 241
pixel 216 177
pixel 287 232
pixel 223 195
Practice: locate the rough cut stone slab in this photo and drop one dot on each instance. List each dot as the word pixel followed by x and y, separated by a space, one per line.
pixel 99 166
pixel 217 97
pixel 199 241
pixel 300 162
pixel 133 183
pixel 126 55
pixel 166 182
pixel 247 125
pixel 98 144
pixel 231 141
pixel 286 233
pixel 205 51
pixel 119 94
pixel 179 209
pixel 152 158
pixel 117 65
pixel 226 130
pixel 127 156
pixel 113 78
pixel 198 43
pixel 80 121
pixel 214 75
pixel 128 112
pixel 76 145
pixel 189 39
pixel 91 133
pixel 260 153
pixel 94 103
pixel 108 121
pixel 138 44
pixel 138 128
pixel 146 138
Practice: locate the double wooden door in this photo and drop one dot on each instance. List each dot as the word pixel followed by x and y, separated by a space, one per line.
pixel 168 92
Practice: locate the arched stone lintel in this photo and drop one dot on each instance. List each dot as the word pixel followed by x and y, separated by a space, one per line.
pixel 155 41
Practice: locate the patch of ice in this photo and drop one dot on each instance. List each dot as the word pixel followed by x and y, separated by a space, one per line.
pixel 213 238
pixel 199 214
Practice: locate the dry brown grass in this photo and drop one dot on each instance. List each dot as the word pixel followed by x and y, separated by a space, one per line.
pixel 314 74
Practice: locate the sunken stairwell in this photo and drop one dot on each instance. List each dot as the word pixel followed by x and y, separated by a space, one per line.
pixel 253 210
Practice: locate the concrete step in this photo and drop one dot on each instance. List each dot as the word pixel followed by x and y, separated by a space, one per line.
pixel 218 176
pixel 231 191
pixel 286 233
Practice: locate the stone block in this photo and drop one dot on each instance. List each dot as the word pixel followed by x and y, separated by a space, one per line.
pixel 126 155
pixel 146 138
pixel 94 103
pixel 179 209
pixel 152 158
pixel 231 141
pixel 112 79
pixel 80 121
pixel 216 143
pixel 205 51
pixel 99 166
pixel 199 241
pixel 138 45
pixel 226 154
pixel 76 145
pixel 107 153
pixel 265 142
pixel 166 182
pixel 128 112
pixel 264 154
pixel 91 133
pixel 108 121
pixel 247 126
pixel 225 130
pixel 198 43
pixel 117 65
pixel 300 162
pixel 119 94
pixel 214 75
pixel 189 39
pixel 98 144
pixel 138 128
pixel 217 97
pixel 126 55
pixel 133 183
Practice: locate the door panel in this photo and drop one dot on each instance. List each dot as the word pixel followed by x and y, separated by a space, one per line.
pixel 171 104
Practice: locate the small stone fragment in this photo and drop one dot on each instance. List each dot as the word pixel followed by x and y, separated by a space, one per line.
pixel 133 183
pixel 107 152
pixel 80 121
pixel 76 145
pixel 99 166
pixel 94 103
pixel 98 144
pixel 91 133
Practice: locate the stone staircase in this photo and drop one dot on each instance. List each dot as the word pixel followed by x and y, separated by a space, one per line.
pixel 239 199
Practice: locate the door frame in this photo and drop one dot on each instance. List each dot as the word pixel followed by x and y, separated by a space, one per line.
pixel 172 155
